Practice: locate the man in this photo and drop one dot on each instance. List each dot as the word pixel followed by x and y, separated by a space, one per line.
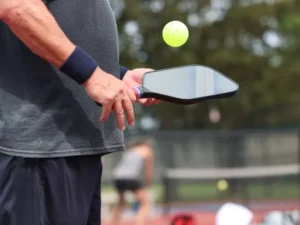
pixel 129 176
pixel 57 58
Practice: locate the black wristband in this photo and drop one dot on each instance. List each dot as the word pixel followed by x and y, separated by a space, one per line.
pixel 79 66
pixel 123 71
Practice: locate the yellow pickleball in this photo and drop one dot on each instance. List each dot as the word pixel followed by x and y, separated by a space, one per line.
pixel 222 185
pixel 175 33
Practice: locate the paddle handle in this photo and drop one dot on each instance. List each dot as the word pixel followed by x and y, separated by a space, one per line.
pixel 138 91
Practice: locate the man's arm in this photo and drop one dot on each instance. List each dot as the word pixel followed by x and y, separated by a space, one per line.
pixel 34 25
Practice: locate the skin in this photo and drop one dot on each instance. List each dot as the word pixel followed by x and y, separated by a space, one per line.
pixel 141 194
pixel 133 78
pixel 34 25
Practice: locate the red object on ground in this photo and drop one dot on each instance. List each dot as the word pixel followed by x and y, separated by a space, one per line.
pixel 183 219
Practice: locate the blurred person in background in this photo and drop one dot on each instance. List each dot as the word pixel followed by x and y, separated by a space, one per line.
pixel 128 176
pixel 282 218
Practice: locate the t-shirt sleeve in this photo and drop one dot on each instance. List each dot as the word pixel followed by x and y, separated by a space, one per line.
pixel 123 71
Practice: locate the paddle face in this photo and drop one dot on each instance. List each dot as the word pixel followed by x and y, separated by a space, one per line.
pixel 187 85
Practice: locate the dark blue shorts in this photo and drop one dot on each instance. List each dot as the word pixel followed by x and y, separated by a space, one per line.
pixel 56 191
pixel 123 185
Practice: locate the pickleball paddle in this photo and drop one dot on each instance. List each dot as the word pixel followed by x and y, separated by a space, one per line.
pixel 186 85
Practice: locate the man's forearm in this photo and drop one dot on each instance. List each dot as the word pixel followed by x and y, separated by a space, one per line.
pixel 34 25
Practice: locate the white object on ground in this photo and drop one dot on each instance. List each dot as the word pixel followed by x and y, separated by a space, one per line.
pixel 233 214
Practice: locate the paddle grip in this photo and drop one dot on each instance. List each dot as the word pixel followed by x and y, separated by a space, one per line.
pixel 138 91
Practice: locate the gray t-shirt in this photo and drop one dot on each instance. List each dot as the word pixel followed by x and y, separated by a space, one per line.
pixel 44 113
pixel 130 166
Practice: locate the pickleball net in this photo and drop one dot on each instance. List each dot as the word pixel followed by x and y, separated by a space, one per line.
pixel 261 188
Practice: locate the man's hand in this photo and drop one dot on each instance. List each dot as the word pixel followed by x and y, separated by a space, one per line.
pixel 113 95
pixel 133 78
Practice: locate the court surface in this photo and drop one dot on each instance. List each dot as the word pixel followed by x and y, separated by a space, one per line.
pixel 205 213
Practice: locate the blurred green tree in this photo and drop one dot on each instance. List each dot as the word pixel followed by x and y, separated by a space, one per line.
pixel 256 44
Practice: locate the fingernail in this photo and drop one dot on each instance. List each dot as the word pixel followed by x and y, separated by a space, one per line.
pixel 132 123
pixel 123 128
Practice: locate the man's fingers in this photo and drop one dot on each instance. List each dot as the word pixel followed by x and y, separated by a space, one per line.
pixel 155 101
pixel 142 101
pixel 131 95
pixel 145 102
pixel 105 112
pixel 119 111
pixel 128 107
pixel 148 102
